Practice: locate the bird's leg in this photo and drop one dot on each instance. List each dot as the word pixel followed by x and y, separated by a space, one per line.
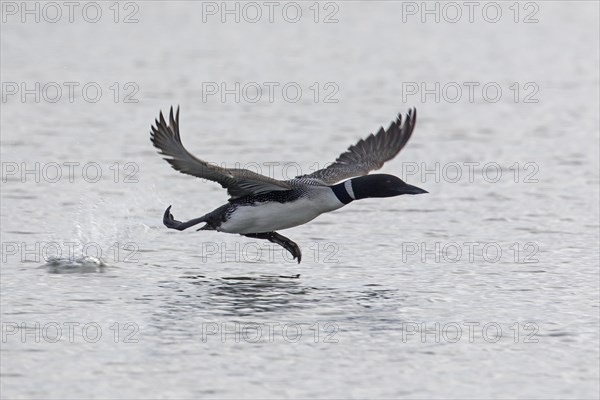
pixel 172 223
pixel 281 240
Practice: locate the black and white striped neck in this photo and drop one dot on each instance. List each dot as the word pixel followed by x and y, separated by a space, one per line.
pixel 344 192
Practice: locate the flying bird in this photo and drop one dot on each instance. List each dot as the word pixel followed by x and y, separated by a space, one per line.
pixel 259 206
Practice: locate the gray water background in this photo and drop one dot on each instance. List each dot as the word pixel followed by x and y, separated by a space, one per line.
pixel 362 284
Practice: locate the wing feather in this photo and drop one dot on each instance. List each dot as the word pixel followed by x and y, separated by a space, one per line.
pixel 371 153
pixel 238 182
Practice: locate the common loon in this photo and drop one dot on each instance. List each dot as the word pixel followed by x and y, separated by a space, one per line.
pixel 259 206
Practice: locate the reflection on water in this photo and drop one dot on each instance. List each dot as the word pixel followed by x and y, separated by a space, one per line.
pixel 239 296
pixel 248 297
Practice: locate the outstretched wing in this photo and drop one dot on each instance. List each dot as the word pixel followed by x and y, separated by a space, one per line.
pixel 238 182
pixel 369 154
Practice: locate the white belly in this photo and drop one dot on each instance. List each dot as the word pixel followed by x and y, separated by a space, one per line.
pixel 274 216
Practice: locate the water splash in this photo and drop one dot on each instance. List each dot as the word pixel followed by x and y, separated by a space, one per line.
pixel 107 229
pixel 79 265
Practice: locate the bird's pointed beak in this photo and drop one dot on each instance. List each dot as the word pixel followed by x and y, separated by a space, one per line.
pixel 410 189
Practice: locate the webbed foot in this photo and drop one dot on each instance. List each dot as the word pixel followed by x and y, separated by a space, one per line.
pixel 172 223
pixel 281 240
pixel 169 221
pixel 290 246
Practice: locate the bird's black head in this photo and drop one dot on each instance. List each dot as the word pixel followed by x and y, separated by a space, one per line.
pixel 382 185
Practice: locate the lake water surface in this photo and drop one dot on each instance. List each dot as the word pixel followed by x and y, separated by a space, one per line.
pixel 487 287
